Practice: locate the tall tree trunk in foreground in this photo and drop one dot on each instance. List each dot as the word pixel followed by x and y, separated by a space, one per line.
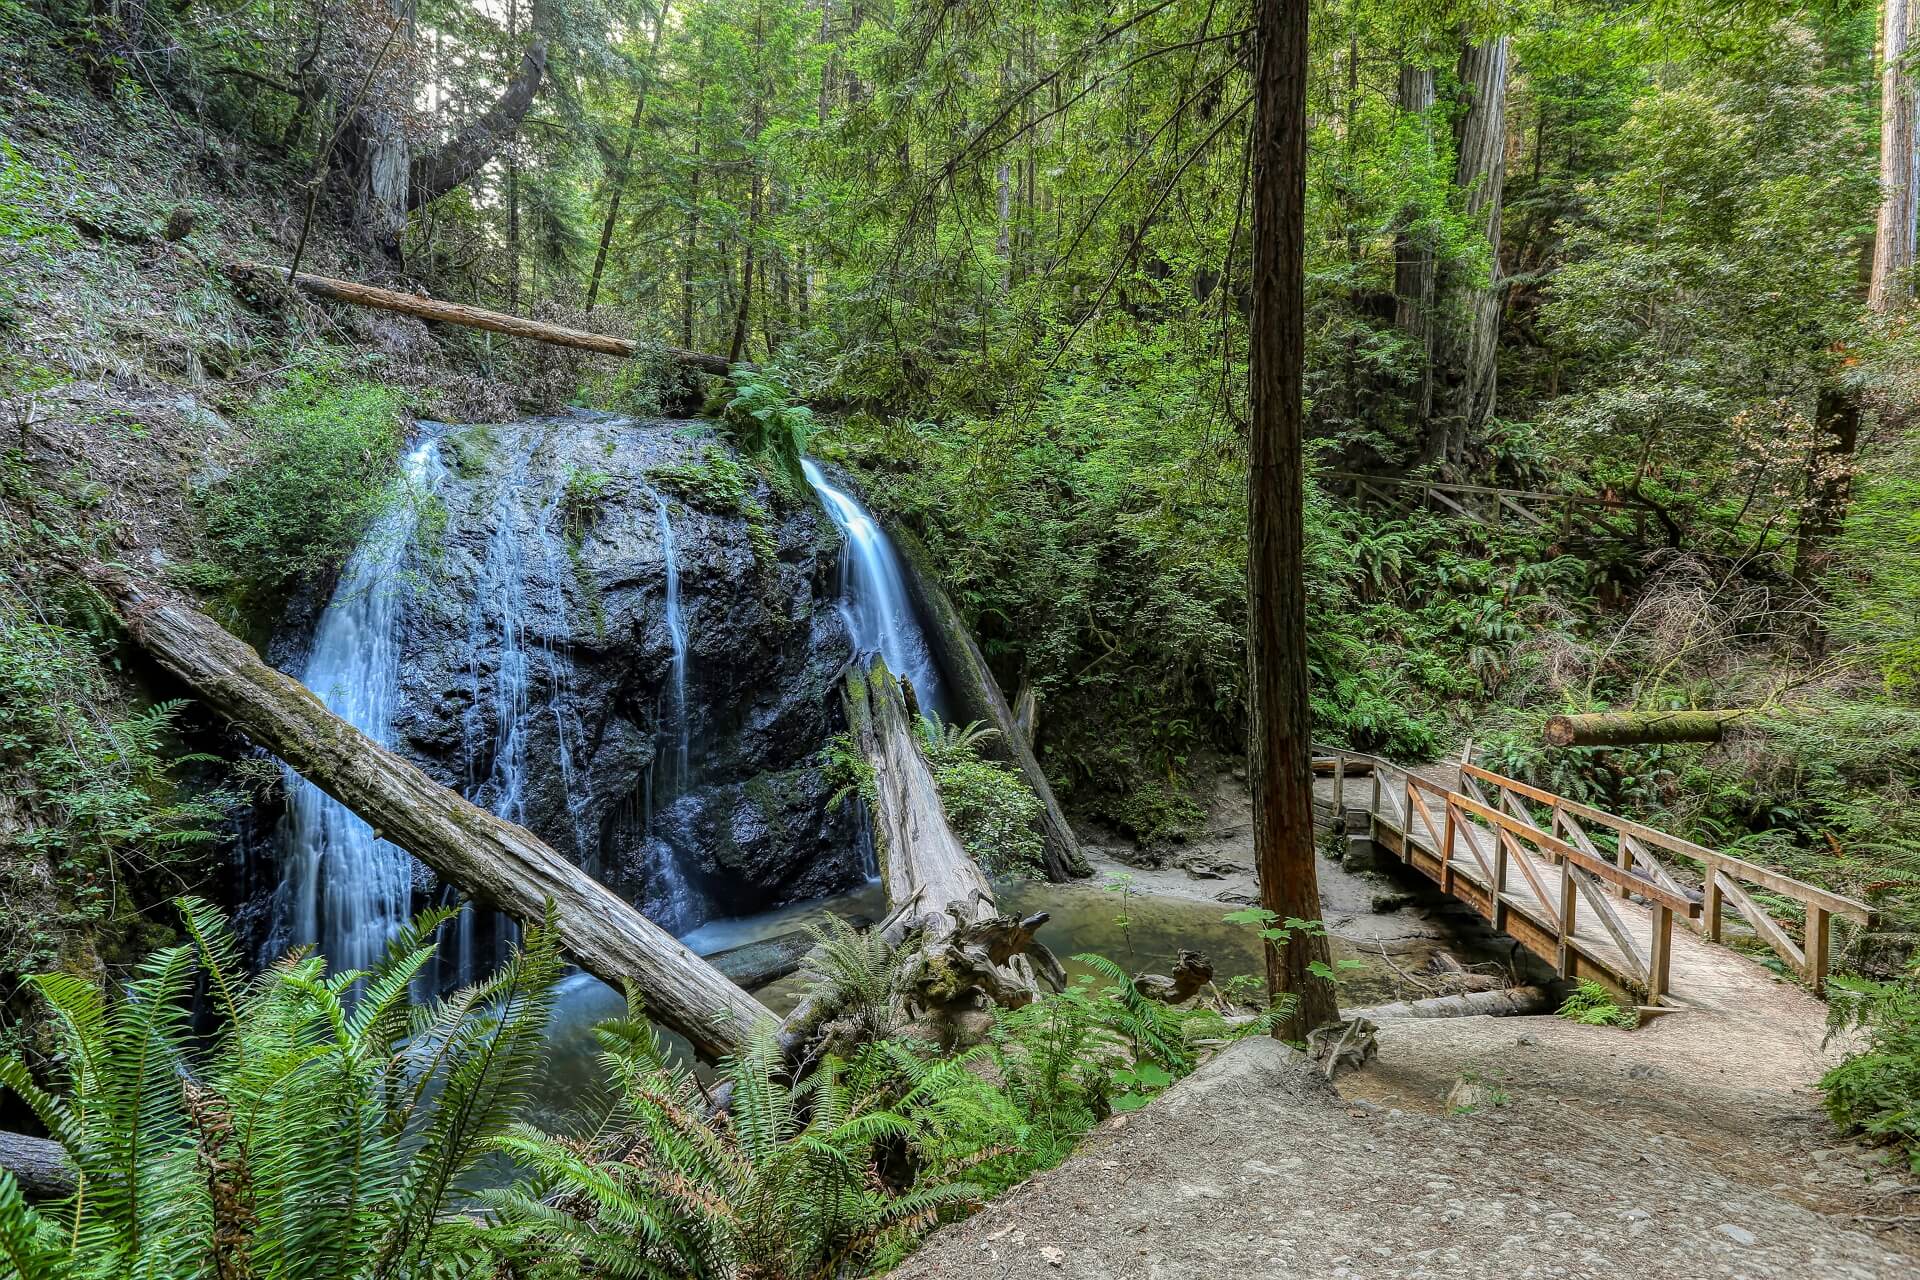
pixel 1413 257
pixel 494 861
pixel 1468 341
pixel 1278 746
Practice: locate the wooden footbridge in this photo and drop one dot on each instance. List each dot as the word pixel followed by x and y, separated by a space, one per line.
pixel 1592 894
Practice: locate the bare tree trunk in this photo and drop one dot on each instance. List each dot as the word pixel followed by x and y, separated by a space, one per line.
pixel 738 347
pixel 494 861
pixel 617 180
pixel 1829 489
pixel 692 244
pixel 1413 257
pixel 965 954
pixel 1623 728
pixel 1280 719
pixel 1893 238
pixel 1467 345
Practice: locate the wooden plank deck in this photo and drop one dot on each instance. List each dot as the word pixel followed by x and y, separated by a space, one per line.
pixel 1590 913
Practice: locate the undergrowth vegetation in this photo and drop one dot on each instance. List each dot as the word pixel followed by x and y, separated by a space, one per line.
pixel 325 1125
pixel 1876 1091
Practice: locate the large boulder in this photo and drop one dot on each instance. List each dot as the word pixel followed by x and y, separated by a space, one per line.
pixel 537 659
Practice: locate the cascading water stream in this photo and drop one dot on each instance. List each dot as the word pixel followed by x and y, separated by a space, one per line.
pixel 671 901
pixel 873 593
pixel 343 888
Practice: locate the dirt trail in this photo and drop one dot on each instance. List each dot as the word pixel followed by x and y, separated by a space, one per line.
pixel 1692 1147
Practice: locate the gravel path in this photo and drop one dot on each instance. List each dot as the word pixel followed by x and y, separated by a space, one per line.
pixel 1254 1167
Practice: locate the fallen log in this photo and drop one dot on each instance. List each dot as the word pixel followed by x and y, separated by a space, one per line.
pixel 1632 728
pixel 1327 766
pixel 413 304
pixel 978 697
pixel 755 964
pixel 493 861
pixel 39 1166
pixel 1503 1003
pixel 965 955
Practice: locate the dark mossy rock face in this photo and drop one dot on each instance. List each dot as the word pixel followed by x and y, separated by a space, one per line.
pixel 536 662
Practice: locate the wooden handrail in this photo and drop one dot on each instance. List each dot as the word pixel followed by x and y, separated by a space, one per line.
pixel 1811 895
pixel 1599 868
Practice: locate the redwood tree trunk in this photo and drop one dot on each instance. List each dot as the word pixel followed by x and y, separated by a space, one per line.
pixel 1468 344
pixel 1893 239
pixel 1413 257
pixel 1278 746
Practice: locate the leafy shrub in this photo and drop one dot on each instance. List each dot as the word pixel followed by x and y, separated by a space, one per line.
pixel 760 416
pixel 326 1128
pixel 1593 1005
pixel 797 1181
pixel 1876 1092
pixel 990 806
pixel 321 472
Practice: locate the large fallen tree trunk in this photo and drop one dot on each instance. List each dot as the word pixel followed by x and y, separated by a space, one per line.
pixel 1505 1002
pixel 965 955
pixel 413 304
pixel 39 1166
pixel 979 697
pixel 1631 728
pixel 494 861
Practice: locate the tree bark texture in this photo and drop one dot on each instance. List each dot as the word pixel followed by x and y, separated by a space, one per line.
pixel 1893 237
pixel 1414 259
pixel 1467 342
pixel 980 698
pixel 1631 728
pixel 968 949
pixel 39 1166
pixel 413 304
pixel 494 861
pixel 1279 738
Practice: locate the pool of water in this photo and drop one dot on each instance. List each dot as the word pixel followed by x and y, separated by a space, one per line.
pixel 1086 917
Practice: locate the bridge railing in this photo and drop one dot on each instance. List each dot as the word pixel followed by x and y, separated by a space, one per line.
pixel 1499 843
pixel 1638 851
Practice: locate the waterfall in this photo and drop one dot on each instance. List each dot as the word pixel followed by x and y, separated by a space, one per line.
pixel 671 901
pixel 873 593
pixel 677 633
pixel 518 607
pixel 341 887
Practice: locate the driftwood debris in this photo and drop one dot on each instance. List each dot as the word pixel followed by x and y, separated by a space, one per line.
pixel 39 1166
pixel 1630 728
pixel 413 304
pixel 1503 1003
pixel 754 964
pixel 492 860
pixel 1191 974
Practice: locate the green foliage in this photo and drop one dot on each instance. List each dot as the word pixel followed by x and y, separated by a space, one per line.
pixel 720 483
pixel 795 1181
pixel 580 499
pixel 325 1128
pixel 1876 1091
pixel 760 416
pixel 844 768
pixel 320 474
pixel 1592 1005
pixel 989 805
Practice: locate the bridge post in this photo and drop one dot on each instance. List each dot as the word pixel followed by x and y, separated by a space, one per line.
pixel 1710 904
pixel 1568 907
pixel 1818 941
pixel 1660 958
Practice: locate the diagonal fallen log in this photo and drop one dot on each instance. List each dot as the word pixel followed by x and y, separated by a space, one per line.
pixel 425 308
pixel 494 861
